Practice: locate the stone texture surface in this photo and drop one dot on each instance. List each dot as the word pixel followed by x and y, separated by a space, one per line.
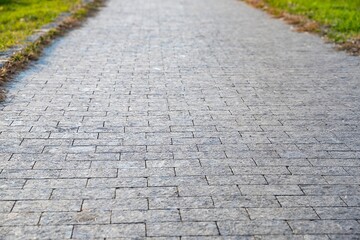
pixel 169 119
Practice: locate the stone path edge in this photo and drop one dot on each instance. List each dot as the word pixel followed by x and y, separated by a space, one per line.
pixel 18 57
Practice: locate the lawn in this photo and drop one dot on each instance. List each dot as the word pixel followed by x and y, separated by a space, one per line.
pixel 20 18
pixel 339 19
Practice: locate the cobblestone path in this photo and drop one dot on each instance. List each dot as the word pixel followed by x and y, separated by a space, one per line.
pixel 191 119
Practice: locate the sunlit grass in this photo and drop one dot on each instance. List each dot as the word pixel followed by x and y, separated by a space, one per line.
pixel 340 18
pixel 20 18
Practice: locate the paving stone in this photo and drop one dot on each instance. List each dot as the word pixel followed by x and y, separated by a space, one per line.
pixel 325 227
pixel 182 229
pixel 62 165
pixel 77 218
pixel 145 216
pixel 173 163
pixel 25 194
pixel 338 212
pixel 270 190
pixel 331 189
pixel 180 202
pixel 47 205
pixel 253 227
pixel 236 179
pixel 146 192
pixel 55 183
pixel 282 213
pixel 177 181
pixel 83 193
pixel 213 214
pixel 18 232
pixel 295 179
pixel 116 182
pixel 12 183
pixel 295 237
pixel 218 238
pixel 190 191
pixel 117 164
pixel 245 201
pixel 16 219
pixel 115 204
pixel 320 201
pixel 206 162
pixel 146 172
pixel 108 231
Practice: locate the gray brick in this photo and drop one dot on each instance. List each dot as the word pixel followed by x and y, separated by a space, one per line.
pixel 218 238
pixel 93 157
pixel 55 183
pixel 182 229
pixel 77 218
pixel 295 179
pixel 116 204
pixel 260 170
pixel 270 190
pixel 282 213
pixel 146 172
pixel 25 194
pixel 219 170
pixel 325 227
pixel 12 183
pixel 245 201
pixel 282 162
pixel 33 232
pixel 194 190
pixel 246 162
pixel 62 165
pixel 108 231
pixel 20 173
pixel 318 170
pixel 83 193
pixel 116 182
pixel 146 192
pixel 145 216
pixel 47 205
pixel 315 201
pixel 173 163
pixel 253 227
pixel 176 181
pixel 338 212
pixel 117 164
pixel 331 189
pixel 236 179
pixel 14 219
pixel 213 214
pixel 180 202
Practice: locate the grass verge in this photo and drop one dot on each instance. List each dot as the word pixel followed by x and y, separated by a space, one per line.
pixel 31 50
pixel 337 20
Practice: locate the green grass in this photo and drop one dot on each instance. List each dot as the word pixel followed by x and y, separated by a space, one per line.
pixel 341 18
pixel 20 18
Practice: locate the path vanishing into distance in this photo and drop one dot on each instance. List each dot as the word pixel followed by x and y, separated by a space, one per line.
pixel 182 119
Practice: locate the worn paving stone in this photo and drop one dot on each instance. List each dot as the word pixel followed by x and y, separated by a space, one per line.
pixel 75 218
pixel 108 231
pixel 182 229
pixel 137 216
pixel 174 120
pixel 325 227
pixel 253 227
